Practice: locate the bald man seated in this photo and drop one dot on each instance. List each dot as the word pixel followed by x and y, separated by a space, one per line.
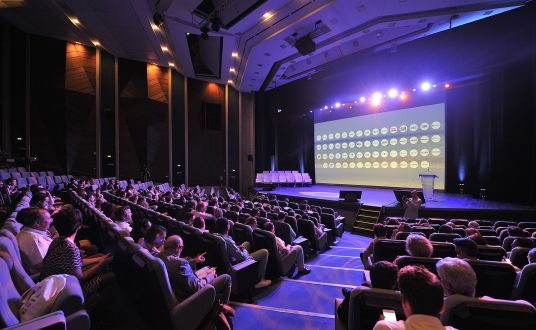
pixel 184 281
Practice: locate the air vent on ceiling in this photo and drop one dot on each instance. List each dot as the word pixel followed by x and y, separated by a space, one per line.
pixel 318 30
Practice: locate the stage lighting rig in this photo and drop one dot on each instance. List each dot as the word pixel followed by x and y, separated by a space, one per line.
pixel 158 19
pixel 204 32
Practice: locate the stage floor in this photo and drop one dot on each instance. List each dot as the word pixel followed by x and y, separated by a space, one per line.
pixel 385 197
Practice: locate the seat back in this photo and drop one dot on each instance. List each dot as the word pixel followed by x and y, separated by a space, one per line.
pixel 427 231
pixel 464 312
pixel 243 233
pixel 293 223
pixel 191 237
pixel 429 263
pixel 366 305
pixel 518 257
pixel 266 240
pixel 491 253
pixel 282 230
pixel 216 251
pixel 493 240
pixel 388 250
pixel 494 279
pixel 443 237
pixel 404 234
pixel 20 278
pixel 507 243
pixel 443 249
pixel 498 224
pixel 526 287
pixel 524 225
pixel 307 230
pixel 487 232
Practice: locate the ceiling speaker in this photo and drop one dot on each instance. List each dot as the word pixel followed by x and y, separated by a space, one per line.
pixel 305 45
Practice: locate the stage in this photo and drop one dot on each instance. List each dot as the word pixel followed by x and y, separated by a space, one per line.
pixel 444 204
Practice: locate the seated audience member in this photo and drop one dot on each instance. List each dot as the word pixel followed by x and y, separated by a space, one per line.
pixel 154 239
pixel 392 222
pixel 532 256
pixel 281 217
pixel 184 281
pixel 457 277
pixel 473 224
pixel 34 238
pixel 199 223
pixel 382 276
pixel 445 229
pixel 123 218
pixel 63 256
pixel 379 232
pixel 422 300
pixel 240 253
pixel 466 248
pixel 43 201
pixel 139 230
pixel 402 228
pixel 419 246
pixel 523 242
pixel 287 251
pixel 252 222
pixel 478 239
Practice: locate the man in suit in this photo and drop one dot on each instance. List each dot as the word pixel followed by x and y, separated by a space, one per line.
pixel 184 281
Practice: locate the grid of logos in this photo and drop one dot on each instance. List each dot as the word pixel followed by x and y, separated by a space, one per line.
pixel 405 146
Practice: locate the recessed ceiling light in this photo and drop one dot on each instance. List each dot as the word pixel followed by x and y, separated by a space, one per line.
pixel 231 69
pixel 96 43
pixel 171 64
pixel 164 48
pixel 267 15
pixel 234 54
pixel 74 20
pixel 155 27
pixel 229 81
pixel 187 33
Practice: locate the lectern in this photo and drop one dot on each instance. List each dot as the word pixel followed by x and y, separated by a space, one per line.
pixel 427 181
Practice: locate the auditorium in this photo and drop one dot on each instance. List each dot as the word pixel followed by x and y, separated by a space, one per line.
pixel 268 164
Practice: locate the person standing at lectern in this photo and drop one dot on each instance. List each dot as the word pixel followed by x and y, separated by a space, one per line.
pixel 412 206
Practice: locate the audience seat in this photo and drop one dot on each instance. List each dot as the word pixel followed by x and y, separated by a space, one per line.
pixel 443 249
pixel 460 222
pixel 332 223
pixel 243 233
pixel 191 237
pixel 491 253
pixel 501 223
pixel 429 263
pixel 487 232
pixel 437 221
pixel 492 240
pixel 464 312
pixel 403 235
pixel 508 241
pixel 307 230
pixel 526 287
pixel 388 250
pixel 518 257
pixel 527 224
pixel 443 237
pixel 276 267
pixel 494 279
pixel 366 306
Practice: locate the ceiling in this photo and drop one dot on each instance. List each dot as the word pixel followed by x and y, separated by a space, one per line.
pixel 262 33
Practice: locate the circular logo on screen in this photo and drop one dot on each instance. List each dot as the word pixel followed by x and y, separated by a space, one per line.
pixel 403 128
pixel 337 165
pixel 393 129
pixel 351 145
pixel 403 141
pixel 344 145
pixel 319 137
pixel 425 152
pixel 384 130
pixel 425 164
pixel 393 164
pixel 359 133
pixel 384 142
pixel 375 143
pixel 436 125
pixel 330 146
pixel 359 155
pixel 413 164
pixel 330 136
pixel 393 141
pixel 403 164
pixel 385 164
pixel 331 156
pixel 368 165
pixel 375 164
pixel 344 155
pixel 366 132
pixel 337 135
pixel 413 127
pixel 352 165
pixel 393 153
pixel 324 156
pixel 337 145
pixel 325 165
pixel 345 165
pixel 344 135
pixel 425 126
pixel 324 137
pixel 436 152
pixel 359 144
pixel 359 165
pixel 403 153
pixel 384 154
pixel 425 139
pixel 375 154
pixel 351 134
pixel 351 155
pixel 413 140
pixel 367 154
pixel 331 165
pixel 436 138
pixel 319 147
pixel 413 152
pixel 319 156
pixel 337 156
pixel 375 131
pixel 324 147
pixel 367 144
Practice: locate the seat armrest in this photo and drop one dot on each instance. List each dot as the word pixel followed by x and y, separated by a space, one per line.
pixel 54 321
pixel 241 265
pixel 78 321
pixel 71 297
pixel 189 313
pixel 299 240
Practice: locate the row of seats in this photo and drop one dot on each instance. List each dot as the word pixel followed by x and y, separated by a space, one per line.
pixel 20 172
pixel 283 178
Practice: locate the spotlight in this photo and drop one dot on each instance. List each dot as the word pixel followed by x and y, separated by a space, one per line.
pixel 204 32
pixel 392 93
pixel 234 54
pixel 362 99
pixel 326 107
pixel 158 19
pixel 310 111
pixel 447 85
pixel 337 105
pixel 279 110
pixel 230 82
pixel 403 96
pixel 425 86
pixel 376 98
pixel 215 24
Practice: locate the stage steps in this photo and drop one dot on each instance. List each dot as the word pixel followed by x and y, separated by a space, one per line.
pixel 367 216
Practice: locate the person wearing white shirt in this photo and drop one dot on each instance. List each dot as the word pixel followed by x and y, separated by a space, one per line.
pixel 294 252
pixel 422 301
pixel 34 238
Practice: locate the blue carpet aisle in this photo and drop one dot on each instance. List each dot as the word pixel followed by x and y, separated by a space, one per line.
pixel 307 302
